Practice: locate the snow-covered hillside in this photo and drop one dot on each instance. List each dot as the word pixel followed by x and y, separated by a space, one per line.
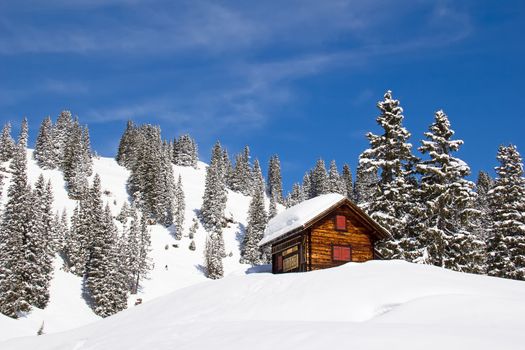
pixel 175 265
pixel 373 305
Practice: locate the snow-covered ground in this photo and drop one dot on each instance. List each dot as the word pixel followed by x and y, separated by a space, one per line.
pixel 373 305
pixel 175 265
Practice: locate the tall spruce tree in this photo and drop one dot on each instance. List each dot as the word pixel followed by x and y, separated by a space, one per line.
pixel 15 274
pixel 7 144
pixel 214 199
pixel 212 256
pixel 484 184
pixel 242 177
pixel 180 208
pixel 319 180
pixel 336 183
pixel 275 182
pixel 391 156
pixel 44 148
pixel 257 219
pixel 366 183
pixel 348 182
pixel 506 244
pixel 448 234
pixel 185 151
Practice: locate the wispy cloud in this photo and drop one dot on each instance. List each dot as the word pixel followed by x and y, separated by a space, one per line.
pixel 255 52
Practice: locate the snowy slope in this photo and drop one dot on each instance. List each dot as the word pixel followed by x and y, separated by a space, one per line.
pixel 373 305
pixel 174 267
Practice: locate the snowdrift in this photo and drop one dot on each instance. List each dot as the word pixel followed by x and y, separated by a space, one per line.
pixel 373 305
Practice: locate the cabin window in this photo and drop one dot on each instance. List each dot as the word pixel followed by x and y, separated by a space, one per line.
pixel 341 253
pixel 340 223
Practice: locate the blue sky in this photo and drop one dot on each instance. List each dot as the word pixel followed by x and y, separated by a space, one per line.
pixel 296 78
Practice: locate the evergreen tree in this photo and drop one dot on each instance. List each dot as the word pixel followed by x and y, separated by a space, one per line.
pixel 180 207
pixel 39 246
pixel 185 151
pixel 105 281
pixel 15 275
pixel 257 219
pixel 214 199
pixel 335 182
pixel 506 244
pixel 319 180
pixel 73 162
pixel 272 210
pixel 307 186
pixel 390 155
pixel 213 256
pixel 484 184
pixel 126 149
pixel 194 227
pixel 448 234
pixel 366 183
pixel 295 197
pixel 348 182
pixel 7 144
pixel 275 182
pixel 61 134
pixel 242 177
pixel 44 148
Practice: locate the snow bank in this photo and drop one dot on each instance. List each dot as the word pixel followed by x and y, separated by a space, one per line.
pixel 373 305
pixel 298 215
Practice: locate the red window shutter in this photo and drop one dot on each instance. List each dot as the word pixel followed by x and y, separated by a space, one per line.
pixel 340 222
pixel 337 253
pixel 345 254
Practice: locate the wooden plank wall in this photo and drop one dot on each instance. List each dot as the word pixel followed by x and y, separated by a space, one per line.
pixel 324 235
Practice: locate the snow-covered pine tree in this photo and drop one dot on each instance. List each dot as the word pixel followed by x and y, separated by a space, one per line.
pixel 124 213
pixel 506 244
pixel 213 256
pixel 7 144
pixel 348 182
pixel 39 246
pixel 194 227
pixel 242 178
pixel 214 199
pixel 15 288
pixel 105 281
pixel 185 151
pixel 44 147
pixel 61 132
pixel 87 157
pixel 272 209
pixel 335 182
pixel 306 187
pixel 227 168
pixel 448 235
pixel 275 182
pixel 294 197
pixel 319 179
pixel 484 184
pixel 73 162
pixel 366 183
pixel 127 150
pixel 391 156
pixel 257 219
pixel 23 137
pixel 180 208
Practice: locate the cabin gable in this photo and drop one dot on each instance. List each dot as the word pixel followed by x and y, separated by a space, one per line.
pixel 330 245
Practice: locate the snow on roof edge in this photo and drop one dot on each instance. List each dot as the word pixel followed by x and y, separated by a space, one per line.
pixel 298 216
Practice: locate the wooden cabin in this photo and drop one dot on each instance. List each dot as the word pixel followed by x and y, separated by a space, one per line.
pixel 322 232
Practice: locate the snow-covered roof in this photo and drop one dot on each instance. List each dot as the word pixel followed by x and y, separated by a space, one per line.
pixel 299 215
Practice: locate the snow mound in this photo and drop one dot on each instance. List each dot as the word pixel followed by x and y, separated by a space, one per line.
pixel 360 305
pixel 298 215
